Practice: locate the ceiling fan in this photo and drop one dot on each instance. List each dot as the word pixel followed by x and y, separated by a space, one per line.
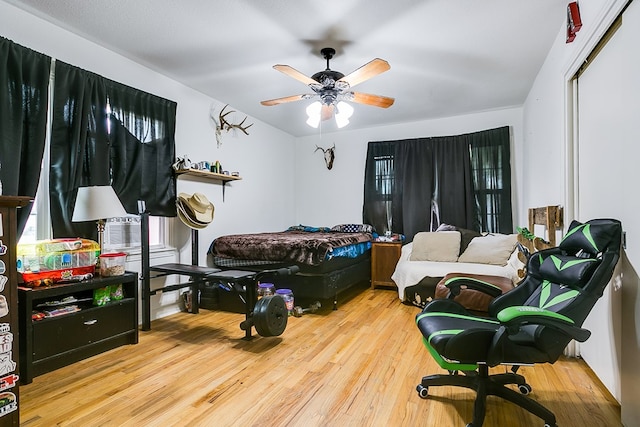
pixel 333 87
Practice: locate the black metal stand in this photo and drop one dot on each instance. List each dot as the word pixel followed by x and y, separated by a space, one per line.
pixel 269 320
pixel 146 279
pixel 197 275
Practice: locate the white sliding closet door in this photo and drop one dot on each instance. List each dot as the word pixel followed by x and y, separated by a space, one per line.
pixel 608 185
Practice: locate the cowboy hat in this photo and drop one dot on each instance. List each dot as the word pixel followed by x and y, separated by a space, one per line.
pixel 195 210
pixel 188 222
pixel 190 213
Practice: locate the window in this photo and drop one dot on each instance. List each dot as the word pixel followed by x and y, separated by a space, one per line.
pixel 384 176
pixel 384 185
pixel 121 234
pixel 492 184
pixel 415 185
pixel 30 233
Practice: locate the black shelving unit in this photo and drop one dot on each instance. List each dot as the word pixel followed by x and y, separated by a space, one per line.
pixel 53 342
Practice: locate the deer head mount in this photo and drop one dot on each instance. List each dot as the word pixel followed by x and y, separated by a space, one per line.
pixel 329 155
pixel 223 125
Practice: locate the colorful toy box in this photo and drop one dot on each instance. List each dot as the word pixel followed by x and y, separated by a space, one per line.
pixel 50 261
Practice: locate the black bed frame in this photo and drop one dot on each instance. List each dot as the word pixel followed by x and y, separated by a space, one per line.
pixel 309 286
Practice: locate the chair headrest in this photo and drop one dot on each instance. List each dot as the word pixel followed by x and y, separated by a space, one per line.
pixel 568 270
pixel 592 237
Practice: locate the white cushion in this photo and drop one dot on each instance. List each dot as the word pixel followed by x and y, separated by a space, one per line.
pixel 441 246
pixel 494 249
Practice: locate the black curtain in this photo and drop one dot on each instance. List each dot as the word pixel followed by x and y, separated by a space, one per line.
pixel 379 186
pixel 92 145
pixel 79 145
pixel 491 168
pixel 143 149
pixel 454 189
pixel 24 81
pixel 415 184
pixel 436 180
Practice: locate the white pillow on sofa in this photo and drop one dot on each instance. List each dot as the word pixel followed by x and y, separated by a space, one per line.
pixel 443 246
pixel 494 249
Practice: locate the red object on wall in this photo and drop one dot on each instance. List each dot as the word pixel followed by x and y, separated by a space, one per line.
pixel 573 16
pixel 574 22
pixel 570 34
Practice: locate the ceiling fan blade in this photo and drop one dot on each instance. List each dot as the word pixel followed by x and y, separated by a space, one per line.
pixel 278 101
pixel 327 112
pixel 368 70
pixel 292 72
pixel 374 100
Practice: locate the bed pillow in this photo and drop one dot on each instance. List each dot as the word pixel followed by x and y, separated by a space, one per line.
pixel 309 228
pixel 465 235
pixel 494 249
pixel 353 228
pixel 446 227
pixel 441 246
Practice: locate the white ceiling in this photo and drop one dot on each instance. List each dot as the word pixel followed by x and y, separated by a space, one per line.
pixel 448 57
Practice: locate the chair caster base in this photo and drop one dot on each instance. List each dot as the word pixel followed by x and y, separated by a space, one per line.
pixel 423 391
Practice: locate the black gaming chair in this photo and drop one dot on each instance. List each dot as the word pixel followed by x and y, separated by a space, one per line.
pixel 530 324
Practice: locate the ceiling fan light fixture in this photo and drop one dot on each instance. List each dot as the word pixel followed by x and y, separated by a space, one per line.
pixel 333 87
pixel 313 112
pixel 344 112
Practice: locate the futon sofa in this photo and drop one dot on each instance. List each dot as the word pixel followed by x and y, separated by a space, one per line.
pixel 432 255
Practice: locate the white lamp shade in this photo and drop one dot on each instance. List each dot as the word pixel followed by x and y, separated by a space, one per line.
pixel 97 202
pixel 345 111
pixel 313 111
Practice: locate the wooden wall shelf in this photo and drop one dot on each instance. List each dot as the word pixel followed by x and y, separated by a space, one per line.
pixel 208 175
pixel 197 173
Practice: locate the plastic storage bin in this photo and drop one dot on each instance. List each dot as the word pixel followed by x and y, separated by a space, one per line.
pixel 50 261
pixel 112 264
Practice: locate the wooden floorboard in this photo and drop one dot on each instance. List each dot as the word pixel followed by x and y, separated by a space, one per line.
pixel 355 366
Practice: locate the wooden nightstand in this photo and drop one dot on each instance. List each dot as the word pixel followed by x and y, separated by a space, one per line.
pixel 384 257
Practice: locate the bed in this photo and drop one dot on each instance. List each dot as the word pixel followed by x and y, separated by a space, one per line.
pixel 331 260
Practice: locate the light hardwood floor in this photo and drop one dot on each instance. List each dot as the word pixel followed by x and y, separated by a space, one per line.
pixel 357 366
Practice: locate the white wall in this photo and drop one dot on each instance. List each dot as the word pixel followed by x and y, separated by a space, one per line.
pixel 262 200
pixel 545 121
pixel 329 197
pixel 542 174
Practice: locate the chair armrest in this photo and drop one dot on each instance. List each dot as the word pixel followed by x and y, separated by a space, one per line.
pixel 516 316
pixel 444 306
pixel 455 285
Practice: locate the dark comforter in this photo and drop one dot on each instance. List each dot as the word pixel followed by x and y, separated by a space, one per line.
pixel 299 247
